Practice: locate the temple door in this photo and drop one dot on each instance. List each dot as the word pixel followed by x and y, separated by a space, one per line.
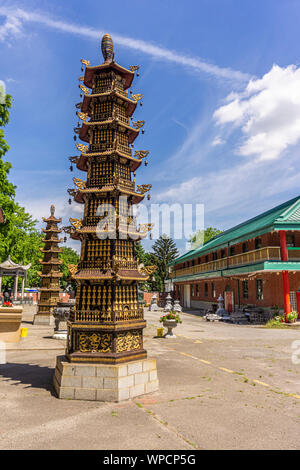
pixel 187 295
pixel 228 296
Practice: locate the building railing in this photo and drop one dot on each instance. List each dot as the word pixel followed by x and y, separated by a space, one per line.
pixel 250 257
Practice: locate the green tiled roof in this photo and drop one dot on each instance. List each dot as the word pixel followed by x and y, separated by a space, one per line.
pixel 285 216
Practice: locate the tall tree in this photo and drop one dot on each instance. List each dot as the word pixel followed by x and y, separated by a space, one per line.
pixel 164 251
pixel 68 256
pixel 18 236
pixel 148 259
pixel 203 236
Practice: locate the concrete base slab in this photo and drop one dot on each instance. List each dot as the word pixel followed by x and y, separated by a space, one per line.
pixel 46 320
pixel 60 335
pixel 103 382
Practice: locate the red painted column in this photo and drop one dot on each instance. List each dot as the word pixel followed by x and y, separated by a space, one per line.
pixel 285 274
pixel 286 293
pixel 283 247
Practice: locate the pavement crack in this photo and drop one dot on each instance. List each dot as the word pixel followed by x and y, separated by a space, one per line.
pixel 166 425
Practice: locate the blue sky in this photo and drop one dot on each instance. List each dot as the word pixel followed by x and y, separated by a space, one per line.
pixel 221 102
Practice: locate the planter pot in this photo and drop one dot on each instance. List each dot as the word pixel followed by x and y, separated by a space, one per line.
pixel 10 324
pixel 170 324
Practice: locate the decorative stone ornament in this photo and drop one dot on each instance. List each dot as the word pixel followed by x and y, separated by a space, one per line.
pixel 177 307
pixel 170 324
pixel 154 307
pixel 168 306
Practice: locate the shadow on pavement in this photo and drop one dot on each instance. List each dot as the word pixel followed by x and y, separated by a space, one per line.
pixel 32 375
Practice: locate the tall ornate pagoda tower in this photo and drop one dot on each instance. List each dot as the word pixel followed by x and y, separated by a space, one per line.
pixel 49 290
pixel 106 326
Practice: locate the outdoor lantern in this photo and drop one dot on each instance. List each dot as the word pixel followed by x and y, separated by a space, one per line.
pixel 71 167
pixel 146 162
pixel 74 137
pixel 148 197
pixel 65 239
pixel 141 104
pixel 70 201
pixel 143 132
pixel 137 74
pixel 82 68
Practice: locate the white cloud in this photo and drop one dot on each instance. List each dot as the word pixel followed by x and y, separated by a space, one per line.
pixel 15 16
pixel 267 112
pixel 217 141
pixel 12 26
pixel 251 186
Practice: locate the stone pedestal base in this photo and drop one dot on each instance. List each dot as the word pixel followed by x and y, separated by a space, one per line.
pixel 10 324
pixel 101 382
pixel 60 334
pixel 40 319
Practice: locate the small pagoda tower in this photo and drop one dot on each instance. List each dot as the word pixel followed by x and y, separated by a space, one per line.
pixel 49 290
pixel 105 329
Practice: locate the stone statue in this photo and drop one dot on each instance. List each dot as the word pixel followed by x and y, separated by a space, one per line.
pixel 153 306
pixel 169 305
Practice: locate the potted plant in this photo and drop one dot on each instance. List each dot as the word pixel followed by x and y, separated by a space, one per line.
pixel 292 317
pixel 170 320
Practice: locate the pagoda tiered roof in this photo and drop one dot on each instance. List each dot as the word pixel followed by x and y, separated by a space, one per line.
pixel 83 130
pixel 93 230
pixel 51 230
pixel 52 250
pixel 88 97
pixel 81 162
pixel 90 71
pixel 79 195
pixel 51 262
pixel 52 240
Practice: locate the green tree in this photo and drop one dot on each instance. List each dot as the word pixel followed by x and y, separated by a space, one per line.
pixel 203 236
pixel 148 259
pixel 164 251
pixel 68 256
pixel 18 236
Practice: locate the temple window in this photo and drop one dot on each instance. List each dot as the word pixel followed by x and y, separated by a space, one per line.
pixel 290 240
pixel 245 289
pixel 245 247
pixel 259 289
pixel 213 290
pixel 258 243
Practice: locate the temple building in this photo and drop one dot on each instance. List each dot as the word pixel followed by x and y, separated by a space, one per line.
pixel 49 289
pixel 254 263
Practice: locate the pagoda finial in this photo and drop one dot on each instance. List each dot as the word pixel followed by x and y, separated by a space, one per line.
pixel 107 47
pixel 52 210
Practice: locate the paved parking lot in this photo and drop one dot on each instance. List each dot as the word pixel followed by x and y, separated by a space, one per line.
pixel 221 387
